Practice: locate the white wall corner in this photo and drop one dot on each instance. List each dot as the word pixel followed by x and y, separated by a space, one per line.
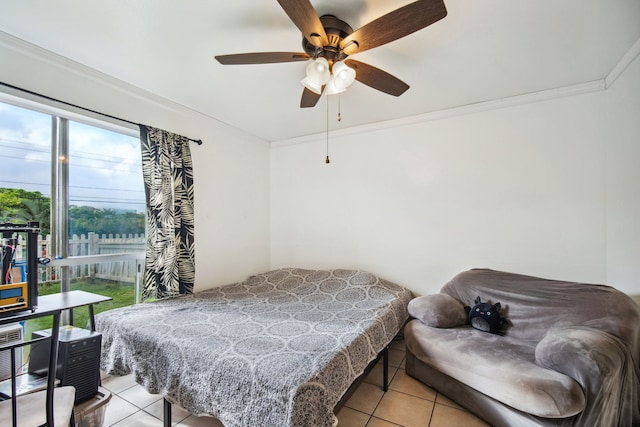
pixel 622 65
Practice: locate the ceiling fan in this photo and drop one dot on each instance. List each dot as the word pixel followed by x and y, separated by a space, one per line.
pixel 329 41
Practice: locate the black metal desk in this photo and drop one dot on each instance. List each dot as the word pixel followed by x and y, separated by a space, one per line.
pixel 50 305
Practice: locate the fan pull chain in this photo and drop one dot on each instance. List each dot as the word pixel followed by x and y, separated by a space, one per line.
pixel 339 115
pixel 327 161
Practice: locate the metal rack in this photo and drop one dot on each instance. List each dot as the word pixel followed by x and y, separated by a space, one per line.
pixel 14 299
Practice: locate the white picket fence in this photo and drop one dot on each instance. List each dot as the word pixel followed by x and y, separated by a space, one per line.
pixel 90 244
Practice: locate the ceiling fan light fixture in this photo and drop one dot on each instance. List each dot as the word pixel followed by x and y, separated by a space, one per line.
pixel 327 39
pixel 318 71
pixel 343 75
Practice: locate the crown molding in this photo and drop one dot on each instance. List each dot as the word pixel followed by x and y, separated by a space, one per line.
pixel 527 98
pixel 41 54
pixel 36 52
pixel 622 65
pixel 58 61
pixel 462 110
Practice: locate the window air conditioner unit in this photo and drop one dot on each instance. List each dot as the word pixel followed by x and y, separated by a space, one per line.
pixel 10 334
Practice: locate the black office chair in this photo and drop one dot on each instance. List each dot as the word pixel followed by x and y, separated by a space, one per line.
pixel 50 407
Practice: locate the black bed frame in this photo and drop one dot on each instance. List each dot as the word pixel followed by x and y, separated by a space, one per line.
pixel 384 355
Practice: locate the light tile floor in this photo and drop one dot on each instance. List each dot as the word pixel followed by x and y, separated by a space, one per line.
pixel 407 403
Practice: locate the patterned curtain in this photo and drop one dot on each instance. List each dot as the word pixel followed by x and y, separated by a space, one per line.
pixel 168 182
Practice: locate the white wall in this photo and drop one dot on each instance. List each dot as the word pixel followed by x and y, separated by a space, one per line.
pixel 622 143
pixel 231 169
pixel 519 189
pixel 549 188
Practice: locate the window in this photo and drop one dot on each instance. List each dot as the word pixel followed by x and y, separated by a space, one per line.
pixel 82 180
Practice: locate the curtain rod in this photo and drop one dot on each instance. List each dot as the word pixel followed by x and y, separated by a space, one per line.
pixel 30 92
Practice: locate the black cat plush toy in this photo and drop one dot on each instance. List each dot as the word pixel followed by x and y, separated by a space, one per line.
pixel 486 317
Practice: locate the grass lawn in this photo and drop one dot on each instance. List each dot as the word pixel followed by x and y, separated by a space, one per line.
pixel 122 293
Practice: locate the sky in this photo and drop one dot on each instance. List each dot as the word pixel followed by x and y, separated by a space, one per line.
pixel 105 166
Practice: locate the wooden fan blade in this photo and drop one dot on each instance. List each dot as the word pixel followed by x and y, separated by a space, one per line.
pixel 261 58
pixel 394 25
pixel 309 98
pixel 302 13
pixel 377 79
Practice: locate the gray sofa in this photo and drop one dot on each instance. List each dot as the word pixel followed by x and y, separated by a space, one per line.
pixel 569 356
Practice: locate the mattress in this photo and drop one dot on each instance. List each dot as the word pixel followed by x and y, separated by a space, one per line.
pixel 279 349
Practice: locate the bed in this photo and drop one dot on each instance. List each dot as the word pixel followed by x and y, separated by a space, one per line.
pixel 279 349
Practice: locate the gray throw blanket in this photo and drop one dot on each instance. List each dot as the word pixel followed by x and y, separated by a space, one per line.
pixel 279 349
pixel 569 357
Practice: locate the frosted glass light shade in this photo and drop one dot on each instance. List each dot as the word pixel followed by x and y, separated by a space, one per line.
pixel 332 88
pixel 312 86
pixel 318 71
pixel 343 75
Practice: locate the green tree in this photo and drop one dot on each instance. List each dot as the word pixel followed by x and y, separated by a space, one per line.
pixel 36 210
pixel 9 204
pixel 21 206
pixel 85 219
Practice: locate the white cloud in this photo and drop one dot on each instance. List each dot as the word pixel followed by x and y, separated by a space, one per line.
pixel 104 168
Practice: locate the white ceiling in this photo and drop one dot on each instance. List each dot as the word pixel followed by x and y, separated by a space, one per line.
pixel 483 50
